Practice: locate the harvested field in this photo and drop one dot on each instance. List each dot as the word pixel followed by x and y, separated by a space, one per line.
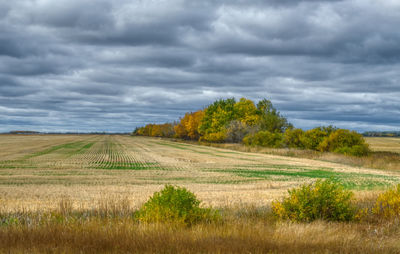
pixel 385 144
pixel 37 171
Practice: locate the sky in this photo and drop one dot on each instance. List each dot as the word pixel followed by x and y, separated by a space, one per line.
pixel 82 65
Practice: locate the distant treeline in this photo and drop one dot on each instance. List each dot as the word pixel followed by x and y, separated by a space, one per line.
pixel 67 133
pixel 255 125
pixel 382 134
pixel 24 132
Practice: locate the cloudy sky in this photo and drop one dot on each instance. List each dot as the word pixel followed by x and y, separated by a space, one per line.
pixel 102 65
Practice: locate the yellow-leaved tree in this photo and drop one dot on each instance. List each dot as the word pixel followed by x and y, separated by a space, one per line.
pixel 246 112
pixel 189 125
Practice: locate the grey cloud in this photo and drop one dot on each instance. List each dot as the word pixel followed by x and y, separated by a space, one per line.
pixel 113 65
pixel 9 87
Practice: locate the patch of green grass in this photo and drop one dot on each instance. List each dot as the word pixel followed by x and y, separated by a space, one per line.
pixel 67 150
pixel 366 185
pixel 278 166
pixel 16 165
pixel 82 149
pixel 356 181
pixel 53 149
pixel 267 173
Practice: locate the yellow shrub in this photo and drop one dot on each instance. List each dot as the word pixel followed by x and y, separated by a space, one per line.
pixel 387 205
pixel 175 205
pixel 326 200
pixel 214 137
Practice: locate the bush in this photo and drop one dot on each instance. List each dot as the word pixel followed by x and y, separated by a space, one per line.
pixel 175 205
pixel 313 137
pixel 264 138
pixel 214 137
pixel 387 205
pixel 345 142
pixel 294 138
pixel 326 200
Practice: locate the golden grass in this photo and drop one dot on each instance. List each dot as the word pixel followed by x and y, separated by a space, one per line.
pixel 111 227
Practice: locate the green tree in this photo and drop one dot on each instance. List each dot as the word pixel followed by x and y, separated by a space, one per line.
pixel 270 118
pixel 216 117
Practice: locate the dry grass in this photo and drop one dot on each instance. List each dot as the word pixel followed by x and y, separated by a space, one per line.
pixel 245 229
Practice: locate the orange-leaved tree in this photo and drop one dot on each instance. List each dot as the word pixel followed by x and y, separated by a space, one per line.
pixel 189 125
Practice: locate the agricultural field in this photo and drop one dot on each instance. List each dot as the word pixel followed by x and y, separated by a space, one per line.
pixel 80 194
pixel 37 171
pixel 384 144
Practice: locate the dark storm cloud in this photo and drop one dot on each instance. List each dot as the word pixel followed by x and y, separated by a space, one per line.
pixel 74 65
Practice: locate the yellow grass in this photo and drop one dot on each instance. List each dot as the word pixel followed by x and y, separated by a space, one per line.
pixel 110 227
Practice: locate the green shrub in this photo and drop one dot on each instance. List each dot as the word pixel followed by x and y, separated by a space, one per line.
pixel 387 205
pixel 312 138
pixel 326 200
pixel 264 138
pixel 345 142
pixel 293 138
pixel 175 205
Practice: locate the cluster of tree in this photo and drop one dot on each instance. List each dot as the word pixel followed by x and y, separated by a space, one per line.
pixel 382 134
pixel 222 121
pixel 324 139
pixel 255 125
pixel 156 130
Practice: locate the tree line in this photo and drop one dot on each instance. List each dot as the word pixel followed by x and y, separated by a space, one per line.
pixel 243 121
pixel 390 134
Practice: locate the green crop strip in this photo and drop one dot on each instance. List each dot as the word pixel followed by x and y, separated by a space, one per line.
pixel 349 180
pixel 68 150
pixel 84 148
pixel 73 145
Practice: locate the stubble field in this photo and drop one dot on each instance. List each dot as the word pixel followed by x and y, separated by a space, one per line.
pixel 38 171
pixel 385 144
